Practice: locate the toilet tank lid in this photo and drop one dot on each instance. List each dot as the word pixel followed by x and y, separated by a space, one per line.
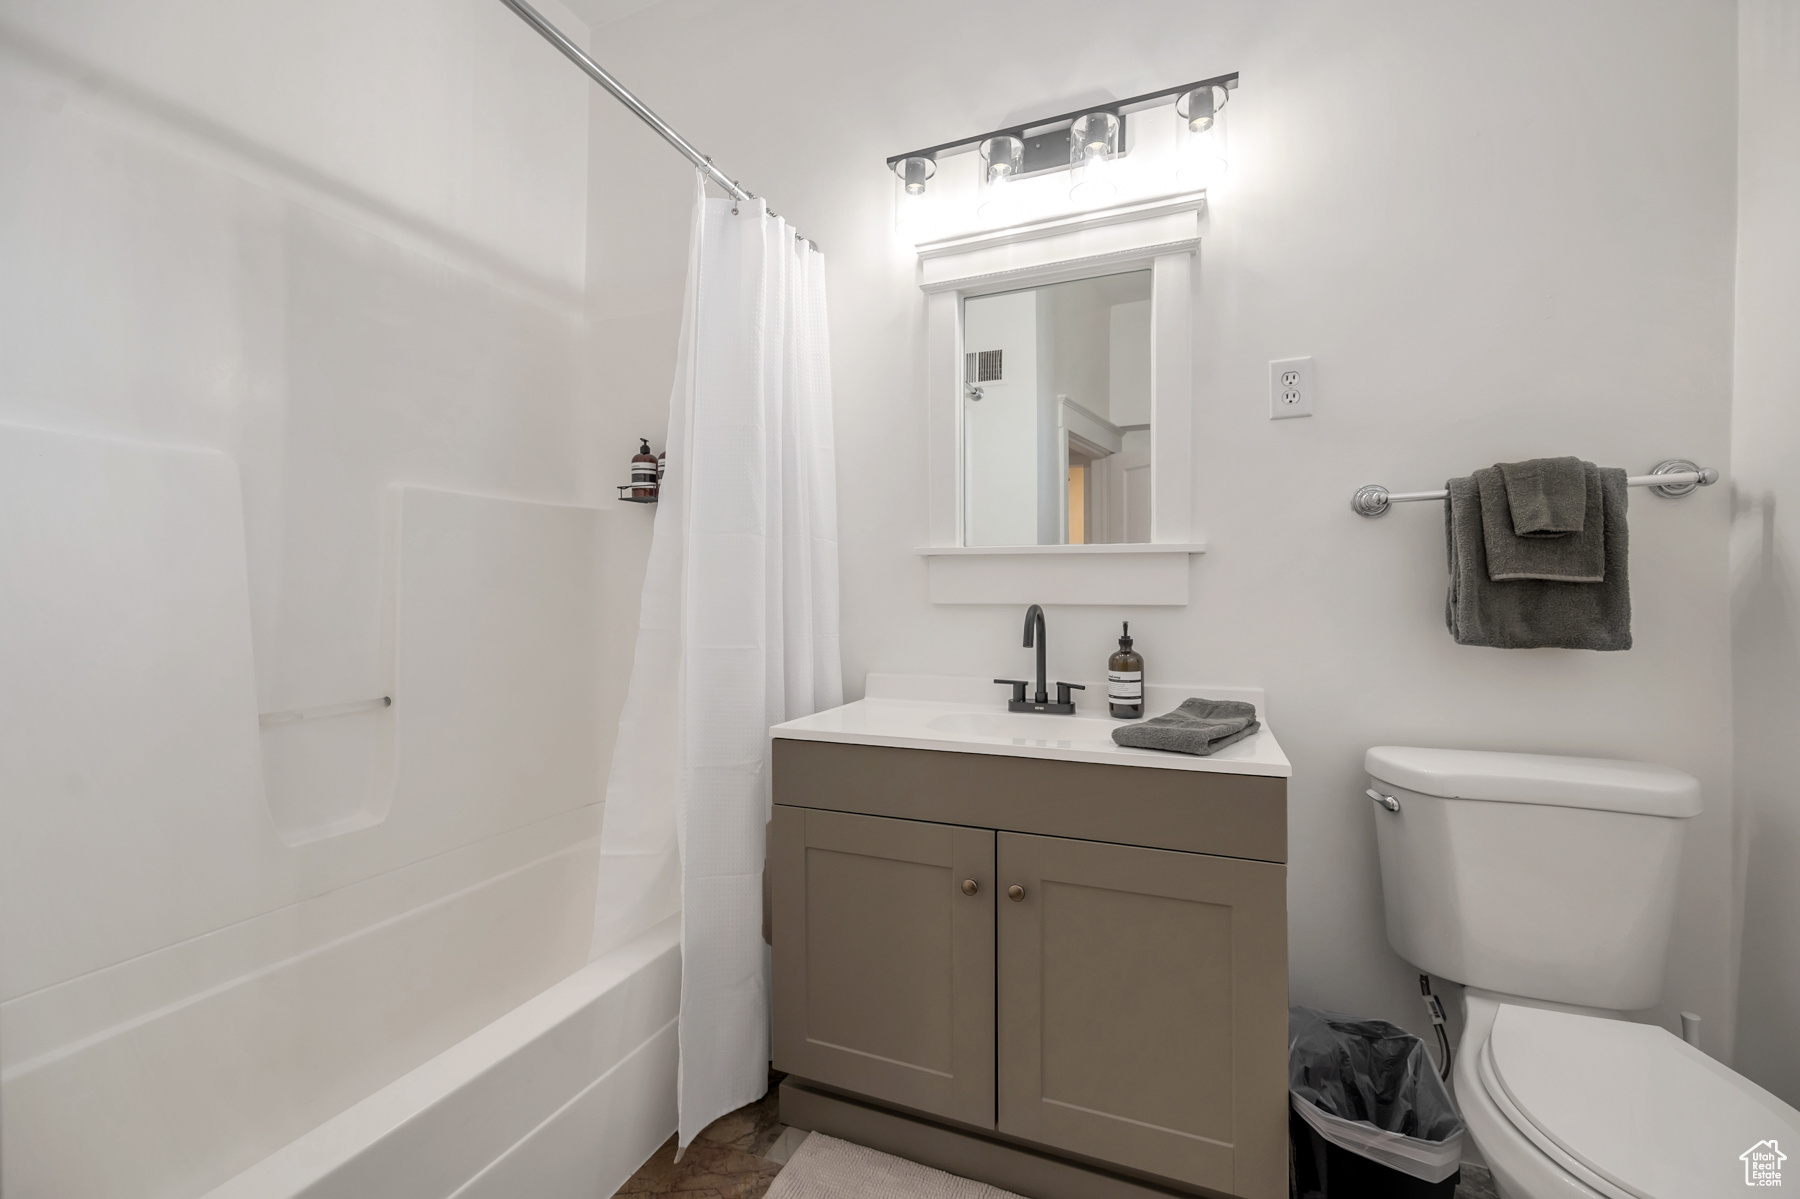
pixel 1603 783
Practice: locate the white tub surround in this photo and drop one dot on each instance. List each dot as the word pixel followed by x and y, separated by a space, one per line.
pixel 968 715
pixel 296 416
pixel 198 970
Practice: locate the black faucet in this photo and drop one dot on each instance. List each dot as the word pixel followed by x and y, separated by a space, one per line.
pixel 1034 635
pixel 1040 702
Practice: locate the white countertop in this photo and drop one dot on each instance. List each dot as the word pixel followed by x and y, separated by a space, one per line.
pixel 966 715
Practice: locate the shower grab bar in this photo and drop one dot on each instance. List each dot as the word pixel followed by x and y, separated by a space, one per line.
pixel 622 94
pixel 1674 478
pixel 294 715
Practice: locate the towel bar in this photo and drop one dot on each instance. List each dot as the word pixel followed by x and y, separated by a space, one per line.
pixel 1676 477
pixel 268 719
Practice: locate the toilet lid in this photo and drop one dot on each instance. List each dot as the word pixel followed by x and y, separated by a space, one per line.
pixel 1643 1112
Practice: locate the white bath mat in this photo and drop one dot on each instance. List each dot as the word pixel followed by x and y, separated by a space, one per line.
pixel 826 1168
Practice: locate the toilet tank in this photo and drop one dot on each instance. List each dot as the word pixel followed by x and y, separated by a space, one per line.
pixel 1546 877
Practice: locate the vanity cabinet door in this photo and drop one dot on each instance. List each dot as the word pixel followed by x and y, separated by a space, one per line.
pixel 1143 1009
pixel 884 964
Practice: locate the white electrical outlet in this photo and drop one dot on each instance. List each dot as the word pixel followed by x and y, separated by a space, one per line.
pixel 1290 388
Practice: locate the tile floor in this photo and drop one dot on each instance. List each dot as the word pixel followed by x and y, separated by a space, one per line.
pixel 739 1155
pixel 726 1161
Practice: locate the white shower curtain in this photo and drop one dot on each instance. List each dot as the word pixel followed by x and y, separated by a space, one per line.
pixel 739 631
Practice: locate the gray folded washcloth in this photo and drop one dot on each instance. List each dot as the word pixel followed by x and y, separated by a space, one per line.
pixel 1535 613
pixel 1549 497
pixel 1578 556
pixel 1198 726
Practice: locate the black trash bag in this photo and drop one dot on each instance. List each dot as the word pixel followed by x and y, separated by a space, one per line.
pixel 1369 1071
pixel 1369 1117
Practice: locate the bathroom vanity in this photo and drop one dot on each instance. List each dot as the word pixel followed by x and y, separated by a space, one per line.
pixel 1008 948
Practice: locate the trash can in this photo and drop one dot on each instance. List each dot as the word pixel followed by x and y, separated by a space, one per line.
pixel 1369 1115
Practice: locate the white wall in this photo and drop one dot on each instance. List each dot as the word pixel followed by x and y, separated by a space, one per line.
pixel 1128 365
pixel 1765 566
pixel 1080 343
pixel 1000 430
pixel 1471 220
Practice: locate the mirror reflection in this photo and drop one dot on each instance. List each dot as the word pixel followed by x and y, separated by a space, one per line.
pixel 1056 413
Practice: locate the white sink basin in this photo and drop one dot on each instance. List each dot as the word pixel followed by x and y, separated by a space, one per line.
pixel 1027 728
pixel 969 716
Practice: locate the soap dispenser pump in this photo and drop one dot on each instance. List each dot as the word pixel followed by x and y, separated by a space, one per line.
pixel 1125 680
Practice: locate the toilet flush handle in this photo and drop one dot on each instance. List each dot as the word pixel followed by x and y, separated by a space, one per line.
pixel 1386 801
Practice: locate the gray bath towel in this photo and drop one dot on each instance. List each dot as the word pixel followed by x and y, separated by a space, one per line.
pixel 1198 726
pixel 1535 613
pixel 1575 557
pixel 1548 496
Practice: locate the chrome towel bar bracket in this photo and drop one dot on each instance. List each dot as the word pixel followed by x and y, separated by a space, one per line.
pixel 1673 478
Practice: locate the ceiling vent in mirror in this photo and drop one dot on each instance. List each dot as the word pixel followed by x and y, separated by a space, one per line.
pixel 982 366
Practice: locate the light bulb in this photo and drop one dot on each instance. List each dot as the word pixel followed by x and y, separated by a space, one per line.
pixel 1094 183
pixel 1001 204
pixel 1093 140
pixel 1004 156
pixel 909 215
pixel 914 172
pixel 1203 162
pixel 1200 108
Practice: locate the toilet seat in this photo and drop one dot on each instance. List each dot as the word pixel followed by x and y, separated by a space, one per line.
pixel 1628 1109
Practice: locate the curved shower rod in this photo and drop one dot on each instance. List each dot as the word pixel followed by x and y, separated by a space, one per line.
pixel 622 94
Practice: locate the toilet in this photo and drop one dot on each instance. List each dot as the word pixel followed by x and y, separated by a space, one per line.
pixel 1546 885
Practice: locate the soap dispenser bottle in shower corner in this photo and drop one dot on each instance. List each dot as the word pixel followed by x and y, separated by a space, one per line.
pixel 1125 679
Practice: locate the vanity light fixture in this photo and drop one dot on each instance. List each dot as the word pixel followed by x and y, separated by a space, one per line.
pixel 1086 143
pixel 914 170
pixel 1093 144
pixel 1202 154
pixel 1201 106
pixel 1004 155
pixel 1004 159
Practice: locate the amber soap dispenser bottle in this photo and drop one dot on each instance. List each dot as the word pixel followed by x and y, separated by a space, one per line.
pixel 1125 679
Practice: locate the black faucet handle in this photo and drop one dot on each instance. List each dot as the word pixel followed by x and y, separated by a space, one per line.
pixel 1018 686
pixel 1063 689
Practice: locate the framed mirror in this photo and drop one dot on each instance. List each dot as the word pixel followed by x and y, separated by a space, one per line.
pixel 1056 413
pixel 1070 479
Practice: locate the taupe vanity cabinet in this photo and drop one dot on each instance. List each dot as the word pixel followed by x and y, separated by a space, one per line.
pixel 1065 978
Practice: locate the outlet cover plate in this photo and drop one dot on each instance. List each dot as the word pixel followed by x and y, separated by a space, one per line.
pixel 1290 388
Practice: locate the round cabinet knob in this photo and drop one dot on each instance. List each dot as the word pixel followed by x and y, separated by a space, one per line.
pixel 970 886
pixel 1015 892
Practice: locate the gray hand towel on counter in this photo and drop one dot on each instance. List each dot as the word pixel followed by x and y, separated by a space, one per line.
pixel 1535 613
pixel 1198 726
pixel 1574 557
pixel 1548 497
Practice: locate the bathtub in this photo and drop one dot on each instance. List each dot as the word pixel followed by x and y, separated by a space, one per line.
pixel 433 1032
pixel 561 1098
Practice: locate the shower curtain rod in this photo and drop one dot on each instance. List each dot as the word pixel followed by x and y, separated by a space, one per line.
pixel 598 74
